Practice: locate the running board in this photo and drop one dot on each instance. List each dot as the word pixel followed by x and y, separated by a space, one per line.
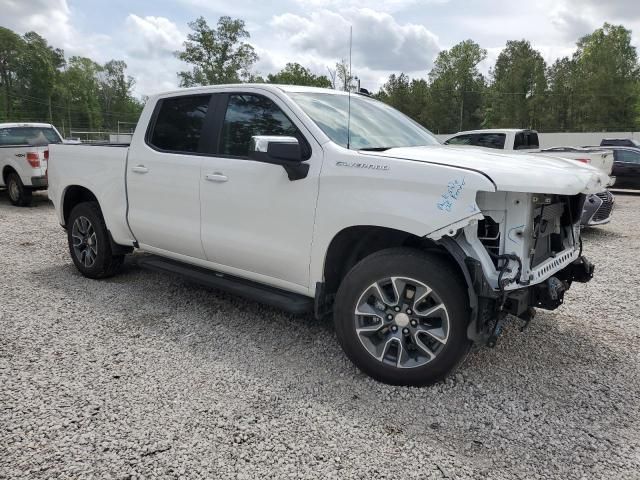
pixel 288 301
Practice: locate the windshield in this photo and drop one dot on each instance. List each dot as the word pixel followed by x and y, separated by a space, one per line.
pixel 31 136
pixel 373 125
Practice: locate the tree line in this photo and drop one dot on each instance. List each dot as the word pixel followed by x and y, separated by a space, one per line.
pixel 37 83
pixel 596 89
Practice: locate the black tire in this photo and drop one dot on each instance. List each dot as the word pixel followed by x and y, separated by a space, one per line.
pixel 427 269
pixel 104 264
pixel 19 195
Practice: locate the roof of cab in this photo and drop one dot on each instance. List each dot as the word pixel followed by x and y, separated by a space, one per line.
pixel 264 86
pixel 496 130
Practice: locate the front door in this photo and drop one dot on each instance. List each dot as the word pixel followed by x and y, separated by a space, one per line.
pixel 256 222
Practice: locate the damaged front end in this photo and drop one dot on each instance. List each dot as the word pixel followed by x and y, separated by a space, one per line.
pixel 524 254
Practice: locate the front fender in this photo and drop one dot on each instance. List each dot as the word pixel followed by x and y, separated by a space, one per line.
pixel 414 197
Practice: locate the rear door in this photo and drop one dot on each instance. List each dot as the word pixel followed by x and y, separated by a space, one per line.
pixel 163 176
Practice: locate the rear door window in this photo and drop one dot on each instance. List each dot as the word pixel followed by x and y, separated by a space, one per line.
pixel 627 156
pixel 459 140
pixel 179 123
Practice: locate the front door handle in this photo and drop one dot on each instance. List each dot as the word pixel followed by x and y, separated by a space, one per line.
pixel 139 169
pixel 216 177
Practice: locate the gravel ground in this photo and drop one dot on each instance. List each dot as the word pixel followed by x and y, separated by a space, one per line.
pixel 147 376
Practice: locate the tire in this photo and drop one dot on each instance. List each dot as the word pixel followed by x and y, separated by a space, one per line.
pixel 89 242
pixel 19 195
pixel 428 343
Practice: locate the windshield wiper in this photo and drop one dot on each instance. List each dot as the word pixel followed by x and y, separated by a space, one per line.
pixel 374 149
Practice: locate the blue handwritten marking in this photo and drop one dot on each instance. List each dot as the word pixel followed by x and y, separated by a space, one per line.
pixel 448 199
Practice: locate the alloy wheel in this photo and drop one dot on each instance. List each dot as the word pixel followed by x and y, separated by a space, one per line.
pixel 85 242
pixel 401 322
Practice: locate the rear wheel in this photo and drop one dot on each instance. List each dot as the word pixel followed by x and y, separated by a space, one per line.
pixel 19 195
pixel 89 243
pixel 401 316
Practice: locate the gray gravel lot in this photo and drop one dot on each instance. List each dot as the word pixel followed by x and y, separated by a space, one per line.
pixel 147 376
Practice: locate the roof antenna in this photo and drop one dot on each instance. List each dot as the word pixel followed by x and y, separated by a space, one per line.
pixel 349 89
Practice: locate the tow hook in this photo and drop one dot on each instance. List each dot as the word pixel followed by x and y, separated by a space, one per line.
pixel 497 330
pixel 582 270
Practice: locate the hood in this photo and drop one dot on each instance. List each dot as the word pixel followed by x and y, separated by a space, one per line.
pixel 510 172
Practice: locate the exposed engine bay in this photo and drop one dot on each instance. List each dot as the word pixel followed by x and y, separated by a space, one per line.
pixel 524 253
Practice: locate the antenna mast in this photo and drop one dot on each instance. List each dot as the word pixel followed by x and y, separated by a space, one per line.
pixel 349 89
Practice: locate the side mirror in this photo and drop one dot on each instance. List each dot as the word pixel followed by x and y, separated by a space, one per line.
pixel 284 151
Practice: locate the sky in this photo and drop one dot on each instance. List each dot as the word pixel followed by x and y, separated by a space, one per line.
pixel 389 36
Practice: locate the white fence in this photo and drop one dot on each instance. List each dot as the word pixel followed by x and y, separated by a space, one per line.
pixel 572 139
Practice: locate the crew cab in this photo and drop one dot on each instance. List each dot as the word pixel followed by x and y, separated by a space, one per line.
pixel 23 158
pixel 314 200
pixel 599 206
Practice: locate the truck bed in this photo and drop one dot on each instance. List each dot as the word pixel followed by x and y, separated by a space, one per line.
pixel 101 169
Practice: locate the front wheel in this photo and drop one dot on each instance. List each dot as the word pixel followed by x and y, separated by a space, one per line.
pixel 401 316
pixel 19 195
pixel 89 243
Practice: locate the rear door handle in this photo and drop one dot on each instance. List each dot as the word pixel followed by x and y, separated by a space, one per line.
pixel 139 169
pixel 216 177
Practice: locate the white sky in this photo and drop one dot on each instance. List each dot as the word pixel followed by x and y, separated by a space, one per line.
pixel 390 36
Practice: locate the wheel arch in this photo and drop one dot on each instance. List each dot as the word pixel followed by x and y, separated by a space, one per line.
pixel 74 195
pixel 352 244
pixel 8 169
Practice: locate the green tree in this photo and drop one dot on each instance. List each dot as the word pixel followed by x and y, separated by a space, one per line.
pixel 82 93
pixel 411 97
pixel 343 76
pixel 606 77
pixel 560 103
pixel 296 74
pixel 456 88
pixel 11 48
pixel 39 72
pixel 116 100
pixel 516 96
pixel 218 55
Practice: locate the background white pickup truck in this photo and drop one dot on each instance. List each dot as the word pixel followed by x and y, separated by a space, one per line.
pixel 598 207
pixel 316 200
pixel 24 153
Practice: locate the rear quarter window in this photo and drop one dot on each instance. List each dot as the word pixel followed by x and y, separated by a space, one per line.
pixel 526 140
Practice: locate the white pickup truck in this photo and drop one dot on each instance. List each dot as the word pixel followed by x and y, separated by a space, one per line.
pixel 23 158
pixel 316 200
pixel 598 207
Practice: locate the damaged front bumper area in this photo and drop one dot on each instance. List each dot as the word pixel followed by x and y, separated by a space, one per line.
pixel 493 306
pixel 523 255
